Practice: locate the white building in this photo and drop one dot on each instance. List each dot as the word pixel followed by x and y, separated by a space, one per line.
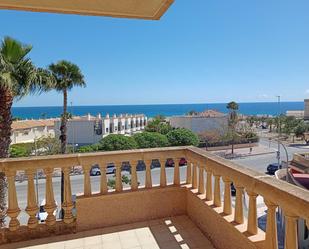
pixel 26 131
pixel 204 121
pixel 88 129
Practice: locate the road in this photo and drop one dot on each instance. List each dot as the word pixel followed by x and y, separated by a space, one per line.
pixel 258 163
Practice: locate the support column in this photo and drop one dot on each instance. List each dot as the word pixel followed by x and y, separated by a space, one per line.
pixel 201 184
pixel 67 202
pixel 271 226
pixel 209 193
pixel 176 172
pixel 227 205
pixel 134 182
pixel 162 173
pixel 291 240
pixel 50 205
pixel 32 207
pixel 87 183
pixel 252 227
pixel 118 186
pixel 239 209
pixel 217 191
pixel 13 209
pixel 148 180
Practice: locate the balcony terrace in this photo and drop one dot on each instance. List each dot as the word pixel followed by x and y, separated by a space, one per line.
pixel 198 212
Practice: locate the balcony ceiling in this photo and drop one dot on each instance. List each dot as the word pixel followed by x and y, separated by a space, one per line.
pixel 142 9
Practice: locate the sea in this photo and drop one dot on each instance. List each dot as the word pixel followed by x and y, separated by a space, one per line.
pixel 258 108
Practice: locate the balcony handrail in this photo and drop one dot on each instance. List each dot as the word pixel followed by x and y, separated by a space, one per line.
pixel 289 197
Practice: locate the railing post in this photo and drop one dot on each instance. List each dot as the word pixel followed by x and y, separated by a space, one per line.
pixel 50 205
pixel 227 205
pixel 176 172
pixel 271 226
pixel 291 240
pixel 148 180
pixel 32 207
pixel 189 173
pixel 87 183
pixel 67 204
pixel 118 186
pixel 239 209
pixel 201 184
pixel 134 183
pixel 209 193
pixel 217 192
pixel 162 173
pixel 13 209
pixel 103 180
pixel 194 175
pixel 252 227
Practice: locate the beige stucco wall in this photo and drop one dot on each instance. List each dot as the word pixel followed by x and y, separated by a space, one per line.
pixel 122 208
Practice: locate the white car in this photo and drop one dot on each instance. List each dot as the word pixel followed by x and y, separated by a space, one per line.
pixel 42 215
pixel 110 169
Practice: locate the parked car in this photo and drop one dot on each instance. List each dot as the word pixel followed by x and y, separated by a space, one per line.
pixel 96 171
pixel 272 168
pixel 170 162
pixel 42 214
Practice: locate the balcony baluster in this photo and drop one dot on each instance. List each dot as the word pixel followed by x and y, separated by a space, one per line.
pixel 162 173
pixel 148 180
pixel 209 185
pixel 103 180
pixel 217 191
pixel 50 205
pixel 239 209
pixel 291 238
pixel 252 227
pixel 271 226
pixel 227 205
pixel 194 176
pixel 32 207
pixel 134 183
pixel 67 200
pixel 201 184
pixel 13 209
pixel 176 172
pixel 118 186
pixel 189 173
pixel 87 183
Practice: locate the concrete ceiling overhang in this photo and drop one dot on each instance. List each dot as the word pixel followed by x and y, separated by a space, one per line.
pixel 141 9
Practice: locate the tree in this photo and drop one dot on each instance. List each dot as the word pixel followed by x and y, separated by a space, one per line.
pixel 21 150
pixel 158 124
pixel 233 119
pixel 150 140
pixel 182 137
pixel 117 142
pixel 192 113
pixel 47 145
pixel 18 77
pixel 67 76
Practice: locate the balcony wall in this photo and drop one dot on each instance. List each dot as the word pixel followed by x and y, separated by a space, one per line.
pixel 205 197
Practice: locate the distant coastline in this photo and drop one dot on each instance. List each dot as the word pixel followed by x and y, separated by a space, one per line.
pixel 258 108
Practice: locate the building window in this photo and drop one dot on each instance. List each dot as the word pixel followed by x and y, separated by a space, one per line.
pixel 106 130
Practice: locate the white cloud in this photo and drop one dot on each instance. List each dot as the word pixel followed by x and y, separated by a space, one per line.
pixel 307 91
pixel 264 95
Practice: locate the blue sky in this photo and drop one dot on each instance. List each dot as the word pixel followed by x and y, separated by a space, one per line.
pixel 199 52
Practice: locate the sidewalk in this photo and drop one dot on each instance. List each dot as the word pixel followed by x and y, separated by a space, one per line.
pixel 244 152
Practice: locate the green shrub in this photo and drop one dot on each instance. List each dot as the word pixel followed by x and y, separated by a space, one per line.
pixel 21 150
pixel 182 137
pixel 150 140
pixel 117 142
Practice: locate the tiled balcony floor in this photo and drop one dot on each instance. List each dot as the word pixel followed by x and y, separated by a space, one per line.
pixel 169 233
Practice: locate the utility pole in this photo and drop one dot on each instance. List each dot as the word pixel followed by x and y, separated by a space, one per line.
pixel 73 130
pixel 279 132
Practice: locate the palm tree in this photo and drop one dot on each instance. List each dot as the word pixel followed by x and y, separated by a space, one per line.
pixel 18 77
pixel 67 76
pixel 233 108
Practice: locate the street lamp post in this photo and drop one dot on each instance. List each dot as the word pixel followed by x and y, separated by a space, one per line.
pixel 279 132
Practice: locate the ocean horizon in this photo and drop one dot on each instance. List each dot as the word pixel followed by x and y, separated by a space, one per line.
pixel 254 108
